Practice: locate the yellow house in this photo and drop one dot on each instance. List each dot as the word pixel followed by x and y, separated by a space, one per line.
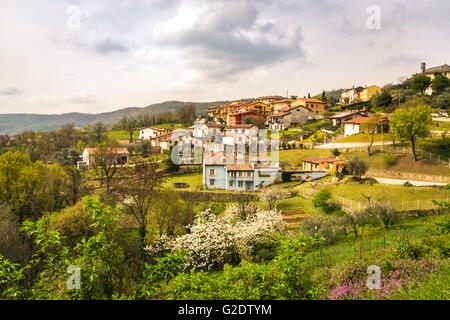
pixel 315 105
pixel 367 93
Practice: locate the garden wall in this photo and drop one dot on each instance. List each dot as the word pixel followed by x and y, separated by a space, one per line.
pixel 407 176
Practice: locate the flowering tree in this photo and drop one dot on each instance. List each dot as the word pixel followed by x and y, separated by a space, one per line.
pixel 273 194
pixel 214 241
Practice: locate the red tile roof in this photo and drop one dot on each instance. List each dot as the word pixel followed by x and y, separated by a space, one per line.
pixel 311 100
pixel 357 120
pixel 321 160
pixel 120 150
pixel 239 167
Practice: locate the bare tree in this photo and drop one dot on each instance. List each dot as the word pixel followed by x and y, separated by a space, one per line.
pixel 105 161
pixel 137 191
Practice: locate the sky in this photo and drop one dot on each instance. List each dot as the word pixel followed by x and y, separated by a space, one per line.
pixel 59 56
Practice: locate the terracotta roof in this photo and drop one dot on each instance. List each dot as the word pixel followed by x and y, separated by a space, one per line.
pixel 357 120
pixel 311 100
pixel 239 167
pixel 157 129
pixel 241 126
pixel 321 160
pixel 120 150
pixel 213 125
pixel 346 114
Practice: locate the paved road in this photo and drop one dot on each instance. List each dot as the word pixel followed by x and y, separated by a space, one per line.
pixel 413 182
pixel 343 145
pixel 442 119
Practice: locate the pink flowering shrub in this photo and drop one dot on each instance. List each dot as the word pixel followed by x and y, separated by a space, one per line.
pixel 347 281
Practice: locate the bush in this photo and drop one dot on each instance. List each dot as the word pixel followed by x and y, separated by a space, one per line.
pixel 335 152
pixel 321 198
pixel 357 167
pixel 74 223
pixel 389 160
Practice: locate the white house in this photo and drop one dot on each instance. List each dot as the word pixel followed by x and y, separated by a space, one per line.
pixel 245 129
pixel 353 126
pixel 152 132
pixel 121 154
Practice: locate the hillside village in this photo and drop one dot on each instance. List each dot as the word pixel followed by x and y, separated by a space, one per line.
pixel 315 184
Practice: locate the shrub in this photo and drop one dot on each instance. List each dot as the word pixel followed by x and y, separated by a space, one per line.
pixel 357 167
pixel 321 198
pixel 74 223
pixel 335 152
pixel 389 160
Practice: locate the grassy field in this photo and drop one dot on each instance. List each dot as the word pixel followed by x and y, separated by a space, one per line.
pixel 441 125
pixel 121 135
pixel 376 161
pixel 413 197
pixel 366 137
pixel 195 180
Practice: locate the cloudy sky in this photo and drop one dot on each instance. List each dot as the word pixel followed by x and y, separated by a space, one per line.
pixel 60 56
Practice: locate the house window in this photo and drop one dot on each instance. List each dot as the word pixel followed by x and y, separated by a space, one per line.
pixel 263 174
pixel 240 174
pixel 241 184
pixel 231 183
pixel 212 181
pixel 212 172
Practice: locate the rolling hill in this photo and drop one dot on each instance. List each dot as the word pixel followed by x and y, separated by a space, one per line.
pixel 12 124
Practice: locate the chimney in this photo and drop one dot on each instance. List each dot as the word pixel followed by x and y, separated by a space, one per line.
pixel 422 67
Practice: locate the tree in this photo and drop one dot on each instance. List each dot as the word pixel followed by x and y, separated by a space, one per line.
pixel 382 100
pixel 321 198
pixel 105 162
pixel 370 125
pixel 168 213
pixel 357 167
pixel 442 100
pixel 130 125
pixel 420 83
pixel 255 121
pixel 272 195
pixel 387 216
pixel 138 191
pixel 439 83
pixel 412 123
pixel 186 115
pixel 98 131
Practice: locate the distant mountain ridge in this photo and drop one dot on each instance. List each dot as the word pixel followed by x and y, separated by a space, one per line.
pixel 13 124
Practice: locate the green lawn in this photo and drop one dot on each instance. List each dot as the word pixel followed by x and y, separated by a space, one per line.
pixel 195 181
pixel 376 161
pixel 441 125
pixel 413 197
pixel 121 135
pixel 366 137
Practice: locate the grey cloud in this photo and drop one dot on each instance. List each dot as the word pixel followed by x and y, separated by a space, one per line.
pixel 231 38
pixel 10 91
pixel 108 46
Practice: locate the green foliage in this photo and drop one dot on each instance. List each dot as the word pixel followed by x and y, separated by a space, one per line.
pixel 389 160
pixel 384 215
pixel 357 167
pixel 335 152
pixel 281 278
pixel 439 83
pixel 420 83
pixel 72 223
pixel 382 100
pixel 321 198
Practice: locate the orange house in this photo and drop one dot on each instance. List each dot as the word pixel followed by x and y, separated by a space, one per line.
pixel 324 164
